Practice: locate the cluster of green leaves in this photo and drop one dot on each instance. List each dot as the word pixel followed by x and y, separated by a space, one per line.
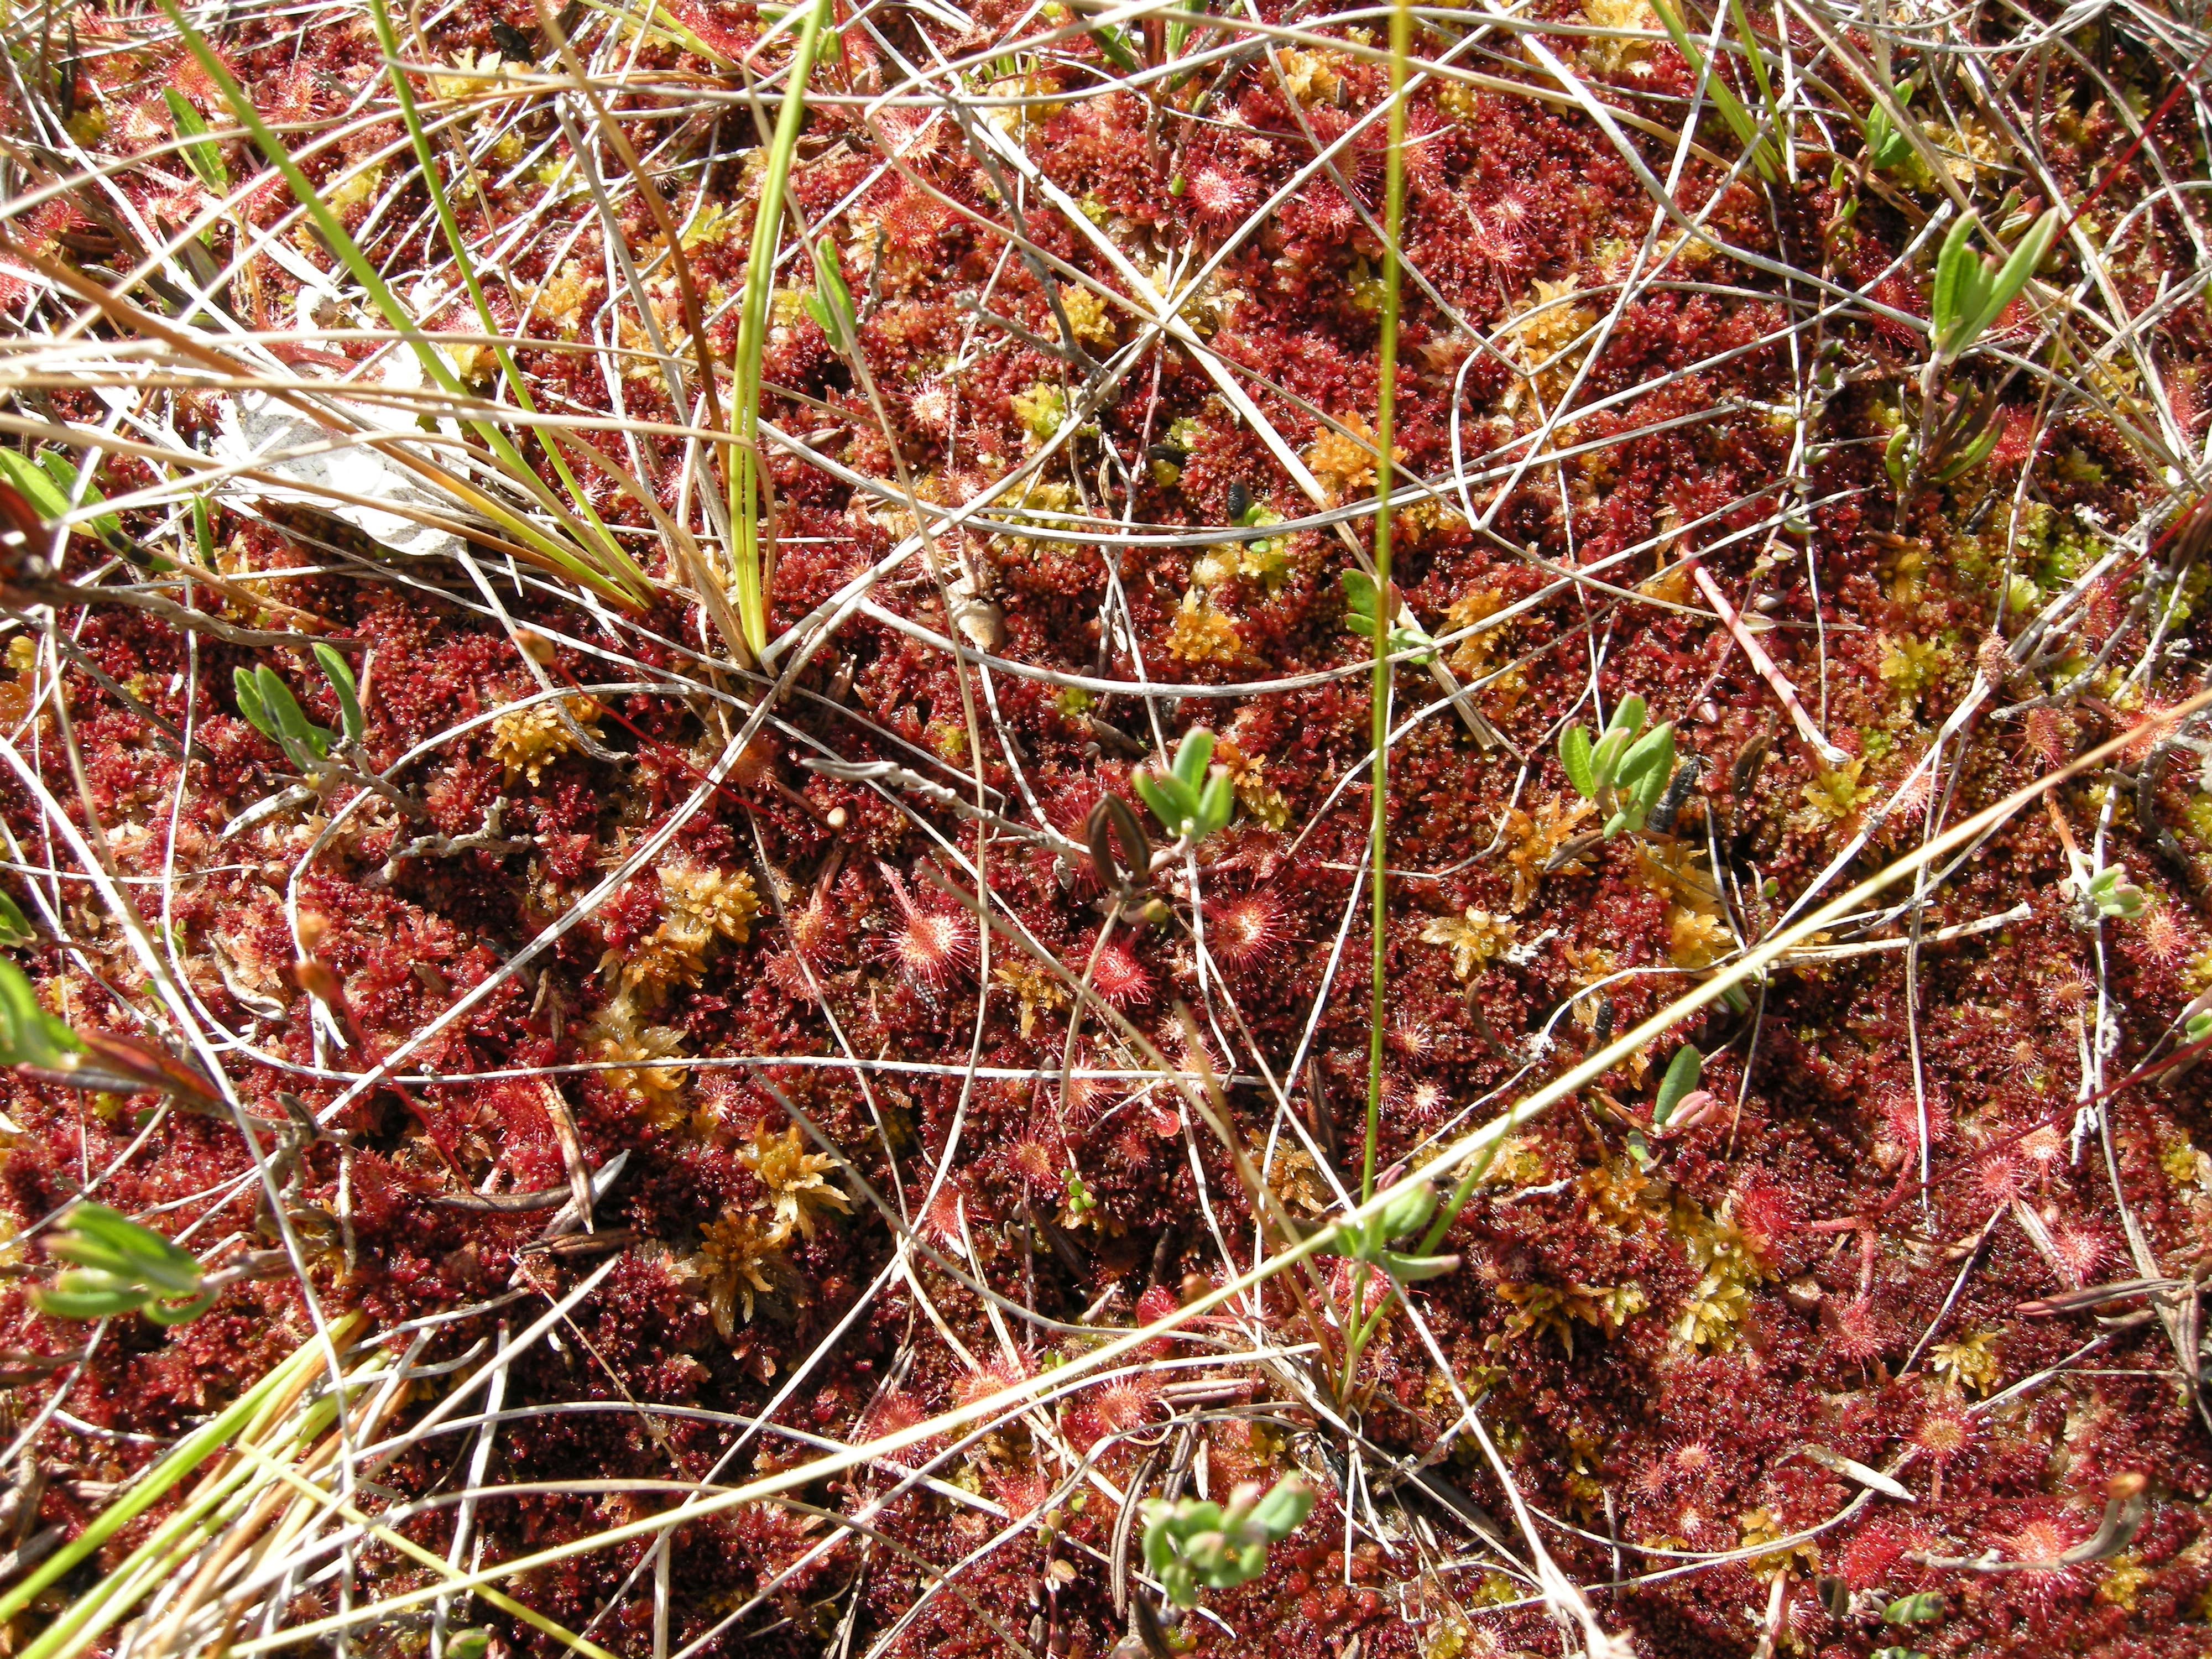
pixel 1626 770
pixel 1972 290
pixel 1368 1241
pixel 120 1267
pixel 1190 796
pixel 1362 612
pixel 270 708
pixel 1192 1543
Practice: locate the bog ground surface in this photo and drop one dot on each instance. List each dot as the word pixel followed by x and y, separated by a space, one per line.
pixel 807 810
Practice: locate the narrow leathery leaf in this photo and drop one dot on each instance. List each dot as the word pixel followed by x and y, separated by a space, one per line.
pixel 1216 803
pixel 1628 717
pixel 1894 455
pixel 1682 1077
pixel 163 1313
pixel 1412 1268
pixel 1407 1212
pixel 294 729
pixel 1606 758
pixel 202 154
pixel 16 929
pixel 1155 791
pixel 203 532
pixel 349 693
pixel 58 1303
pixel 1098 838
pixel 1285 1509
pixel 2000 289
pixel 1359 602
pixel 1947 302
pixel 1920 1609
pixel 1983 446
pixel 1193 755
pixel 1655 749
pixel 33 1036
pixel 1575 750
pixel 1129 830
pixel 247 683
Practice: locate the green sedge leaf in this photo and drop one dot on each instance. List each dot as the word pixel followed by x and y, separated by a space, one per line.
pixel 35 483
pixel 202 154
pixel 1682 1077
pixel 348 692
pixel 58 467
pixel 1575 750
pixel 16 929
pixel 831 303
pixel 1116 50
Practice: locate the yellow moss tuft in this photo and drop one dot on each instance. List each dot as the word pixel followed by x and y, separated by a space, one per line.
pixel 1201 632
pixel 795 1179
pixel 526 741
pixel 740 1258
pixel 1474 939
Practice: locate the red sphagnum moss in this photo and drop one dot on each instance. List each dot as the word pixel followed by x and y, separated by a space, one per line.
pixel 915 1099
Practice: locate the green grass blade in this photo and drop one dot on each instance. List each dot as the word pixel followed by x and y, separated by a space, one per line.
pixel 566 557
pixel 749 566
pixel 159 1480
